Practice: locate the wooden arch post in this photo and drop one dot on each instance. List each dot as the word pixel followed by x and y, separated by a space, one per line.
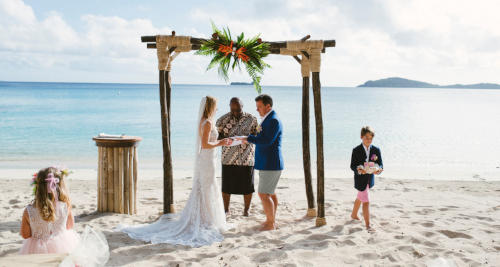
pixel 318 115
pixel 306 150
pixel 311 62
pixel 166 44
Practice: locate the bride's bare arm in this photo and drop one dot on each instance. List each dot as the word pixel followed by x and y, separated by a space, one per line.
pixel 205 144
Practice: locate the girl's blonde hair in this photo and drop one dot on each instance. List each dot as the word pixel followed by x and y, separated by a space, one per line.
pixel 44 198
pixel 210 105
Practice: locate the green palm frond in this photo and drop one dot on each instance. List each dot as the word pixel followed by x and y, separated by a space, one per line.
pixel 254 49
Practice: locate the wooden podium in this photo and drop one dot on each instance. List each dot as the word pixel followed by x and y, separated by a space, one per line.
pixel 117 173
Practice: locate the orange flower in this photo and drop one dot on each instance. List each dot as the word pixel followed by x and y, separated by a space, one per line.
pixel 226 49
pixel 241 54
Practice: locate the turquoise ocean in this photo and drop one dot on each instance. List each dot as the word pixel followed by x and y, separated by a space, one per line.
pixel 423 133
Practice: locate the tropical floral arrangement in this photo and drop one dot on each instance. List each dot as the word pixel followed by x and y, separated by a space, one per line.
pixel 227 53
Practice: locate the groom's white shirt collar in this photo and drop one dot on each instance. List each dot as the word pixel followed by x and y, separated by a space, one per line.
pixel 265 116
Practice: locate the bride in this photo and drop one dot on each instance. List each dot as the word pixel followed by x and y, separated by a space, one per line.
pixel 202 221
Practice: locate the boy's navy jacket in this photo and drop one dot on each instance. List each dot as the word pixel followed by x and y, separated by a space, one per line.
pixel 268 144
pixel 358 158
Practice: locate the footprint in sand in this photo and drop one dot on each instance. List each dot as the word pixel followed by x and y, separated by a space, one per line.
pixel 429 244
pixel 304 232
pixel 14 201
pixel 428 234
pixel 337 228
pixel 164 258
pixel 452 234
pixel 354 230
pixel 399 237
pixel 424 211
pixel 368 256
pixel 427 224
pixel 411 250
pixel 270 256
pixel 483 218
pixel 319 237
pixel 322 244
pixel 389 257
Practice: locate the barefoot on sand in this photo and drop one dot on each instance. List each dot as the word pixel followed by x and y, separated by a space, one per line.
pixel 268 227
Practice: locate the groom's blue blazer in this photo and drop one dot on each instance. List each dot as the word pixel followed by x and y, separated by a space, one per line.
pixel 268 144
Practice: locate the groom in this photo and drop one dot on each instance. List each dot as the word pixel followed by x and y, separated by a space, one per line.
pixel 268 157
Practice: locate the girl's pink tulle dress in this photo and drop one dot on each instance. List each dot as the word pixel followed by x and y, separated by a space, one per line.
pixel 49 237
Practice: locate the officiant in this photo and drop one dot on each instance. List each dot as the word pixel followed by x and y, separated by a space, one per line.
pixel 238 160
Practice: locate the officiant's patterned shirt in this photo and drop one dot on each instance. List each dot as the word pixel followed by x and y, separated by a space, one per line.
pixel 229 126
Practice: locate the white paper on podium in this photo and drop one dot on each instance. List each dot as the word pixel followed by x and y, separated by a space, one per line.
pixel 236 142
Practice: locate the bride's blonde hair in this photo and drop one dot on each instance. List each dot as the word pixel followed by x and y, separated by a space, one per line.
pixel 210 105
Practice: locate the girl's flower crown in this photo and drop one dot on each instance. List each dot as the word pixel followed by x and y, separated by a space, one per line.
pixel 52 181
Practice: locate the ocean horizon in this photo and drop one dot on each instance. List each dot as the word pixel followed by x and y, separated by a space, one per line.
pixel 424 133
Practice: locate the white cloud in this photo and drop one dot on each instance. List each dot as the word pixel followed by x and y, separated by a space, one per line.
pixel 440 42
pixel 106 45
pixel 16 11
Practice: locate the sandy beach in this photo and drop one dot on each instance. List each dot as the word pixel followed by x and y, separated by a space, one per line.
pixel 416 222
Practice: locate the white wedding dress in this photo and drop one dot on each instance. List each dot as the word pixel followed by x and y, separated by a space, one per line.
pixel 202 221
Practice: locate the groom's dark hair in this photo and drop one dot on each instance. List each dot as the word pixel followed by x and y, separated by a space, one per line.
pixel 266 99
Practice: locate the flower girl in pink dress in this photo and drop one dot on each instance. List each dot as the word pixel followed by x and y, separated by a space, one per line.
pixel 47 223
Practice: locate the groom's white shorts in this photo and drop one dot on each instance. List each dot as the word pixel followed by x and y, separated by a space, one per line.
pixel 268 180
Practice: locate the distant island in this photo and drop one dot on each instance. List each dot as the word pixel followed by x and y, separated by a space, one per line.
pixel 406 83
pixel 241 83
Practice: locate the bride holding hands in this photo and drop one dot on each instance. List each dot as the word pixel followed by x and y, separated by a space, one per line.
pixel 202 221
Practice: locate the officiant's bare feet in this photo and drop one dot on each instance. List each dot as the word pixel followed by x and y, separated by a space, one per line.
pixel 370 229
pixel 245 213
pixel 355 217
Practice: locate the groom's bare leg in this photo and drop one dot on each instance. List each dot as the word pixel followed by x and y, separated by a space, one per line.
pixel 275 202
pixel 268 206
pixel 226 197
pixel 248 199
pixel 274 198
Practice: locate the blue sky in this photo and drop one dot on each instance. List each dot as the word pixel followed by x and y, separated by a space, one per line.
pixel 98 41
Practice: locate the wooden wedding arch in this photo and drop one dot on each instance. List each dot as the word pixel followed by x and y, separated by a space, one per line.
pixel 168 47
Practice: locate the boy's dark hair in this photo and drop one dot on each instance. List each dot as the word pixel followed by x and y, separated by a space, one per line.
pixel 265 99
pixel 367 130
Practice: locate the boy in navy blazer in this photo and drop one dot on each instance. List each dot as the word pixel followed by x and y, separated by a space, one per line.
pixel 365 152
pixel 268 157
